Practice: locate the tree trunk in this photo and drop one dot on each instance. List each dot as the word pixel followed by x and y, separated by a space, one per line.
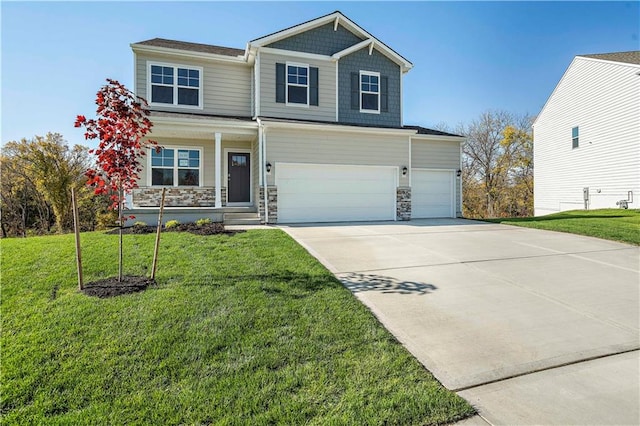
pixel 76 229
pixel 120 224
pixel 157 246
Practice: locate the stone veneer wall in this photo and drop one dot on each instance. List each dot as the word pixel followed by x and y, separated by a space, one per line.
pixel 178 197
pixel 403 203
pixel 272 193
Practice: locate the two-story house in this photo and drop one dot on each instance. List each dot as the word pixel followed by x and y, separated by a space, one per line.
pixel 303 125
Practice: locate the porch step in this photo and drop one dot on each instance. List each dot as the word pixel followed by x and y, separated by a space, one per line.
pixel 231 218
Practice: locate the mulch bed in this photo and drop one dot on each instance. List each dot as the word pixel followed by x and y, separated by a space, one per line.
pixel 111 287
pixel 205 229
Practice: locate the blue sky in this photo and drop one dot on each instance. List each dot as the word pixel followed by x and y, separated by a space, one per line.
pixel 468 56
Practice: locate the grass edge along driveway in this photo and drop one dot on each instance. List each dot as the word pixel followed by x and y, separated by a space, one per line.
pixel 609 224
pixel 242 329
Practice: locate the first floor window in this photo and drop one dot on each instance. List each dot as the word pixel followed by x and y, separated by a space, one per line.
pixel 175 167
pixel 369 91
pixel 574 137
pixel 175 85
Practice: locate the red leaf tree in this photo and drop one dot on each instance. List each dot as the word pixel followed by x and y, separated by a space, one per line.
pixel 121 126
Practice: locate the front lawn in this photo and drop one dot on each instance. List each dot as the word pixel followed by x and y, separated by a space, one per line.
pixel 610 224
pixel 242 329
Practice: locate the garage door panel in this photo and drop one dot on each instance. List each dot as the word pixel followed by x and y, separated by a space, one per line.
pixel 330 193
pixel 432 193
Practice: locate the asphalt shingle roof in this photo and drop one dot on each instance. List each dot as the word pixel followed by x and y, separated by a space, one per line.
pixel 631 57
pixel 195 47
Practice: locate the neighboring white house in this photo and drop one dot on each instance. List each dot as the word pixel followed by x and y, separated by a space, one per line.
pixel 587 137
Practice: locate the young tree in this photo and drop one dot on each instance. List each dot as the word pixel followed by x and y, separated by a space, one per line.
pixel 121 126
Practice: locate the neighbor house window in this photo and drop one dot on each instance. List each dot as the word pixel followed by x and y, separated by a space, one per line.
pixel 297 84
pixel 574 137
pixel 175 167
pixel 369 91
pixel 175 85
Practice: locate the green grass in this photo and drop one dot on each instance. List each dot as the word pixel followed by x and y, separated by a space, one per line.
pixel 610 224
pixel 243 329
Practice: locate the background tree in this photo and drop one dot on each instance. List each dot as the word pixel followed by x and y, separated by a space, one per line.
pixel 497 165
pixel 37 177
pixel 121 127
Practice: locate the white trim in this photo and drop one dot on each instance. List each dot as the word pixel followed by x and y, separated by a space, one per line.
pixel 360 91
pixel 266 183
pixel 349 50
pixel 190 54
pixel 609 61
pixel 410 159
pixel 135 73
pixel 175 85
pixel 453 186
pixel 460 180
pixel 256 71
pixel 401 100
pixel 439 138
pixel 337 93
pixel 335 24
pixel 175 167
pixel 226 173
pixel 287 84
pixel 371 47
pixel 295 54
pixel 336 128
pixel 217 164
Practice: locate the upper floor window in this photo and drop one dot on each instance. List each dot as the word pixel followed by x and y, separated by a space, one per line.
pixel 574 137
pixel 296 84
pixel 175 85
pixel 175 167
pixel 369 91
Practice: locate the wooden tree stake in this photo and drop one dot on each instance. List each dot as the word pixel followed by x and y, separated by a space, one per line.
pixel 155 250
pixel 76 227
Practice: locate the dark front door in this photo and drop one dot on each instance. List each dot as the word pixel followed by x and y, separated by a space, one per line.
pixel 239 179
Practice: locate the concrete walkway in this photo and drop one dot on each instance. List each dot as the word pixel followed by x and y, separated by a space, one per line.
pixel 530 326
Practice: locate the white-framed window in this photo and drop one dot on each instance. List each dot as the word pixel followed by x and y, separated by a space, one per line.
pixel 174 166
pixel 176 85
pixel 370 92
pixel 297 84
pixel 575 137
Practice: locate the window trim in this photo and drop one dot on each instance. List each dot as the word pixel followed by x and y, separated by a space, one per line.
pixel 175 167
pixel 369 73
pixel 175 85
pixel 575 140
pixel 286 81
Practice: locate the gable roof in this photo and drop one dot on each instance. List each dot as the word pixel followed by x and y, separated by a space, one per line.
pixel 338 18
pixel 193 47
pixel 630 57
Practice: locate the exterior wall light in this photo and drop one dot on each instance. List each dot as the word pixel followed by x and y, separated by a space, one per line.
pixel 404 171
pixel 268 167
pixel 459 173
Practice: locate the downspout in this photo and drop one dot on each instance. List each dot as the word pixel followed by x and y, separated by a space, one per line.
pixel 263 178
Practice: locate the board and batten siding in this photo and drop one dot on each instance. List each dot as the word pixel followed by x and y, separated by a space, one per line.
pixel 331 147
pixel 326 109
pixel 227 86
pixel 437 155
pixel 602 99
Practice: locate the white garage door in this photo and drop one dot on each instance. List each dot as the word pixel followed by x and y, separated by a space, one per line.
pixel 334 193
pixel 432 193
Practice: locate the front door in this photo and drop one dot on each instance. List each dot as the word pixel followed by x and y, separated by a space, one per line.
pixel 239 178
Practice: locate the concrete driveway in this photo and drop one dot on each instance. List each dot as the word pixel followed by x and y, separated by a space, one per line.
pixel 530 326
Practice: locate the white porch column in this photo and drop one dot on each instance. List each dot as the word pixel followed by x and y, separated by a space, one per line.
pixel 218 169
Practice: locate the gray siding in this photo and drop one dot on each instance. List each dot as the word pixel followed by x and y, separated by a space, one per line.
pixel 376 62
pixel 321 41
pixel 326 109
pixel 227 86
pixel 331 147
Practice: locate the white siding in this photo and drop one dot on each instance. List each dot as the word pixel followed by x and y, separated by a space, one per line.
pixel 326 109
pixel 227 86
pixel 603 100
pixel 331 147
pixel 437 155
